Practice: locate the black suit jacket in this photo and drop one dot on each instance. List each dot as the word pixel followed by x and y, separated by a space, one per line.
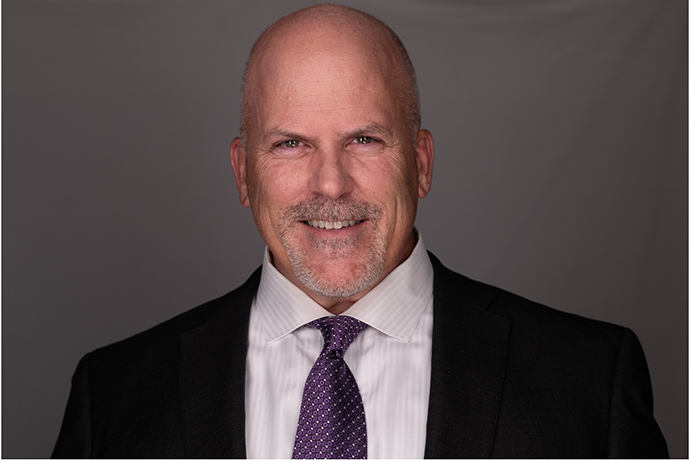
pixel 509 378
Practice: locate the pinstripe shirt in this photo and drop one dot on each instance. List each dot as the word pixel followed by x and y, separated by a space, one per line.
pixel 391 359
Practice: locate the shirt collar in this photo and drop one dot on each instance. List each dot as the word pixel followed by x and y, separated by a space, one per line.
pixel 394 306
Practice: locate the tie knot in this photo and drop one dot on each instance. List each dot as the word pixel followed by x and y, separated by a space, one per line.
pixel 338 331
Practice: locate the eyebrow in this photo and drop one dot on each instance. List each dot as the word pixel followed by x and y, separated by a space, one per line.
pixel 282 134
pixel 368 129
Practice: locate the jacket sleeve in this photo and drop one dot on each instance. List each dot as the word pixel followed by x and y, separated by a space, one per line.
pixel 74 440
pixel 633 432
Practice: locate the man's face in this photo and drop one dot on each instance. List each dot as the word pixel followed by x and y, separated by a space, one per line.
pixel 331 172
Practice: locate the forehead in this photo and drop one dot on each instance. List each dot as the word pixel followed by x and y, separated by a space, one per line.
pixel 315 73
pixel 323 70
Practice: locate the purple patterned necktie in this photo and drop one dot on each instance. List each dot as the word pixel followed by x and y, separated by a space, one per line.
pixel 331 421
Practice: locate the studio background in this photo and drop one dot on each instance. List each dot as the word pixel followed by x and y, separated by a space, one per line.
pixel 560 174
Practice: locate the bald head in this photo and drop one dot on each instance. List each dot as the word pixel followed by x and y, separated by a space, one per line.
pixel 332 161
pixel 323 39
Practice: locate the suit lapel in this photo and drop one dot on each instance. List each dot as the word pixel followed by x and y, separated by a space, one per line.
pixel 468 360
pixel 212 377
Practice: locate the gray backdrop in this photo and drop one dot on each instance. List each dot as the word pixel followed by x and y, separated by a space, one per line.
pixel 561 171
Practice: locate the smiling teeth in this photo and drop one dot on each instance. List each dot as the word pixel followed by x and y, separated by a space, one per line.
pixel 331 225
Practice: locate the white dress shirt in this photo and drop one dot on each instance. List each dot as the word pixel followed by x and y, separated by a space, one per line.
pixel 390 359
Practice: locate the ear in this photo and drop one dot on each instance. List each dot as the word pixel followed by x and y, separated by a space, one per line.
pixel 238 158
pixel 425 161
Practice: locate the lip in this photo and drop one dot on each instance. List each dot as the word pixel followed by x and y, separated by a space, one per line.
pixel 332 225
pixel 322 226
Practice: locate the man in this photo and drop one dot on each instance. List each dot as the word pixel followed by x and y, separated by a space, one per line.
pixel 331 161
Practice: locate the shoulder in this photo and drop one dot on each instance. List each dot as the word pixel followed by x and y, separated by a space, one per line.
pixel 563 376
pixel 529 322
pixel 159 345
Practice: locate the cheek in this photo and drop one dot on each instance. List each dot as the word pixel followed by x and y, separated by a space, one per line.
pixel 270 184
pixel 402 183
pixel 397 178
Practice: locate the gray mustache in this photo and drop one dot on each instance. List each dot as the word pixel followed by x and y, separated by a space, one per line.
pixel 341 209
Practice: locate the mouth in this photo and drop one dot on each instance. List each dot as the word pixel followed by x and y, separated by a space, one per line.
pixel 332 225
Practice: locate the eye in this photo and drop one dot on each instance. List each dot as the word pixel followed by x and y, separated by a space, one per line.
pixel 291 143
pixel 363 140
pixel 290 147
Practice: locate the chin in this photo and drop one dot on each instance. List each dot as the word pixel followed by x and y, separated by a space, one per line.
pixel 338 278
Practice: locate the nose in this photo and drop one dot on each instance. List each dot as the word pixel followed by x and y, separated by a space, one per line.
pixel 330 174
